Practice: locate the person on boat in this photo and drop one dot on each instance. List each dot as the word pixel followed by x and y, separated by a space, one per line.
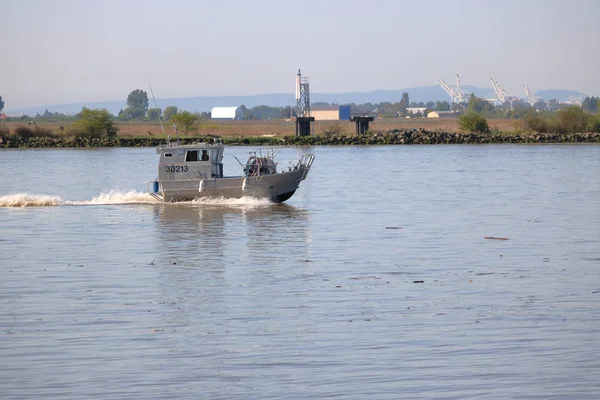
pixel 204 155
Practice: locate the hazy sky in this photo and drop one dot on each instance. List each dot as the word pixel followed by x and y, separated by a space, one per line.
pixel 67 51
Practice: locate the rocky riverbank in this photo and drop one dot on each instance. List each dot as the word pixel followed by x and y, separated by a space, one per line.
pixel 420 136
pixel 412 136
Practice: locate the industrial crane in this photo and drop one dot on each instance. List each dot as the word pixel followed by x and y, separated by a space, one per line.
pixel 531 98
pixel 458 96
pixel 501 95
pixel 574 99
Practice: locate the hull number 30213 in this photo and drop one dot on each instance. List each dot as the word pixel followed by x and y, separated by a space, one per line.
pixel 176 168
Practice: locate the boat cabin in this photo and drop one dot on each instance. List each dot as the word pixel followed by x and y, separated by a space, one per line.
pixel 190 161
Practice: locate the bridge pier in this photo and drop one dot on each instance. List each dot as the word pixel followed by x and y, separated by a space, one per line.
pixel 303 126
pixel 362 124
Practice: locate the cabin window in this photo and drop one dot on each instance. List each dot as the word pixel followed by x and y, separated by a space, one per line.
pixel 191 156
pixel 167 154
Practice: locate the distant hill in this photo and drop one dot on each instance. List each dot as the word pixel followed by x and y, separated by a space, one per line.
pixel 206 103
pixel 558 94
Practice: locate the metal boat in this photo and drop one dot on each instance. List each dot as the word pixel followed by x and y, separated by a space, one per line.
pixel 191 171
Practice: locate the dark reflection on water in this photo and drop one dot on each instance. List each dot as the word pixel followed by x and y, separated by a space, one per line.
pixel 206 232
pixel 371 282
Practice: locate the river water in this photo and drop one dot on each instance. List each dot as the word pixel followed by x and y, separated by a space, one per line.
pixel 376 280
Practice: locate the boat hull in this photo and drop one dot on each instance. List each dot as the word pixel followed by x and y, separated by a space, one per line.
pixel 277 188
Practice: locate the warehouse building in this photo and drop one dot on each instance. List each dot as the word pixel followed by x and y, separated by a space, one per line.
pixel 226 113
pixel 330 113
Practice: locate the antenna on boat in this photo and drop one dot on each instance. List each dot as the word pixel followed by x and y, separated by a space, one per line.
pixel 155 106
pixel 176 131
pixel 239 161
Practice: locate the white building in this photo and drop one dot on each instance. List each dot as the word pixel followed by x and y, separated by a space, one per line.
pixel 226 113
pixel 416 111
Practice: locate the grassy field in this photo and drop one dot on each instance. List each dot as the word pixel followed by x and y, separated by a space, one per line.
pixel 280 127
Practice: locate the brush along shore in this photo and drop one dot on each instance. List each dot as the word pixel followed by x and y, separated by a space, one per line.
pixel 393 137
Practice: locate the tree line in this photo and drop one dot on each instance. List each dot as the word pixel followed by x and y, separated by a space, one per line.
pixel 138 109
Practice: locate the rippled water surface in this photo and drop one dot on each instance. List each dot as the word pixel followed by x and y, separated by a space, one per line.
pixel 380 278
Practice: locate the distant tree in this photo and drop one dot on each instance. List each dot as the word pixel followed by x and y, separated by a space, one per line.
pixel 515 110
pixel 288 112
pixel 123 115
pixel 388 110
pixel 96 123
pixel 590 104
pixel 520 103
pixel 553 105
pixel 137 105
pixel 364 108
pixel 1 104
pixel 264 112
pixel 594 125
pixel 132 113
pixel 404 102
pixel 540 105
pixel 405 97
pixel 154 114
pixel 56 116
pixel 571 119
pixel 442 106
pixel 170 111
pixel 430 105
pixel 138 99
pixel 186 121
pixel 533 121
pixel 480 106
pixel 244 111
pixel 473 122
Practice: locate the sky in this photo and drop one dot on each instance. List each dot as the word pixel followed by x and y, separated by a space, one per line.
pixel 71 51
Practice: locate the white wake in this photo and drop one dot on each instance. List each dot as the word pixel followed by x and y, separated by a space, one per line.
pixel 121 197
pixel 110 197
pixel 242 201
pixel 118 197
pixel 28 200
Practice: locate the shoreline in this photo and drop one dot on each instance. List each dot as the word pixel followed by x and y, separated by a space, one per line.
pixel 395 137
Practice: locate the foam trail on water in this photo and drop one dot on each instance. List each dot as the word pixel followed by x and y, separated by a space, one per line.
pixel 242 201
pixel 110 197
pixel 29 200
pixel 124 197
pixel 118 197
